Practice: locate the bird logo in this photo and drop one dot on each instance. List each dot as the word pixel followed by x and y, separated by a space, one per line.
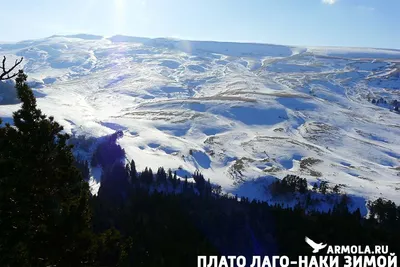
pixel 316 247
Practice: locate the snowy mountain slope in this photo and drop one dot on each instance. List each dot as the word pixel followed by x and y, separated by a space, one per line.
pixel 237 112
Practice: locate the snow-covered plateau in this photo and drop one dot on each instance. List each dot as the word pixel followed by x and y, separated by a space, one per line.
pixel 240 113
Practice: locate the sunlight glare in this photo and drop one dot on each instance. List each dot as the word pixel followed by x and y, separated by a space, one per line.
pixel 119 14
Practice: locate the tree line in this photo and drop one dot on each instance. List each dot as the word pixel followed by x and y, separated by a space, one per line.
pixel 393 104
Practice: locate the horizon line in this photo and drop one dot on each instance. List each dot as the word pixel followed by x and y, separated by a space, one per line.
pixel 108 37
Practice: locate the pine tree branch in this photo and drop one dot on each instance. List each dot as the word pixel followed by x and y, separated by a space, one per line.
pixel 5 75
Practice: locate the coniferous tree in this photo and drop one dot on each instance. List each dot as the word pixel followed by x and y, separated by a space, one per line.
pixel 143 175
pixel 45 218
pixel 323 187
pixel 200 182
pixel 315 187
pixel 128 169
pixel 133 172
pixel 147 176
pixel 170 174
pixel 336 189
pixel 161 176
pixel 150 177
pixel 217 190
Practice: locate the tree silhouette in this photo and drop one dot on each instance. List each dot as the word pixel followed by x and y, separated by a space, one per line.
pixel 45 218
pixel 5 73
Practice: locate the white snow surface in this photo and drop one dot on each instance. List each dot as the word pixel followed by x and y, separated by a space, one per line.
pixel 240 113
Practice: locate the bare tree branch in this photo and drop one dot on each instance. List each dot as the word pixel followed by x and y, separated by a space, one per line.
pixel 7 74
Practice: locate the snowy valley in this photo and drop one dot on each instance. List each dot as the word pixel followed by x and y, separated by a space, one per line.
pixel 241 114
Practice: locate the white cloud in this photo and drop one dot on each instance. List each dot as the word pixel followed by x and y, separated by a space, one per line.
pixel 329 2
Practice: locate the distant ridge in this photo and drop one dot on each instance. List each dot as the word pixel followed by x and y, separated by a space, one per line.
pixel 128 39
pixel 80 36
pixel 259 49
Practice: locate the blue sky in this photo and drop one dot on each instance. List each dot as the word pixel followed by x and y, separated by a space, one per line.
pixel 360 23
